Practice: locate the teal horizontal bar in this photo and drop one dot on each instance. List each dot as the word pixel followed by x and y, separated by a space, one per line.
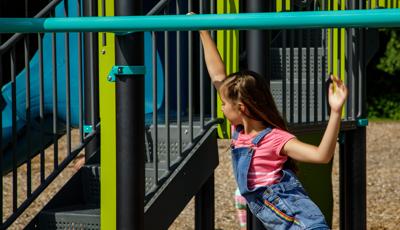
pixel 281 20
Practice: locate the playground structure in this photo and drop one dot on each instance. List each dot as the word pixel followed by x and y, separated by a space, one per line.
pixel 156 84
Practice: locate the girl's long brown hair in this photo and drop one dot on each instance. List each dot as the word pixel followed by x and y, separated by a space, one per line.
pixel 253 91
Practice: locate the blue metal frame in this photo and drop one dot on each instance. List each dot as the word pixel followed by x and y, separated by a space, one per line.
pixel 288 20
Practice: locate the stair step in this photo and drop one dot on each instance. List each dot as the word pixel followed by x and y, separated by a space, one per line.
pixel 75 217
pixel 91 181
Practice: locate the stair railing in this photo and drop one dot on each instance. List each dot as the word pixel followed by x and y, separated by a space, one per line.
pixel 40 138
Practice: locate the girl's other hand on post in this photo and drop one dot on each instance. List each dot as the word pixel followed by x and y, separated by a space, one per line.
pixel 337 94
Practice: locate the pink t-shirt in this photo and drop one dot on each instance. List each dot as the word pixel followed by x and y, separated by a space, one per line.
pixel 267 162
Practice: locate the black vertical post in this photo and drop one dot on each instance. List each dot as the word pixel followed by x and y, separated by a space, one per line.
pixel 91 57
pixel 130 124
pixel 204 200
pixel 353 180
pixel 258 41
pixel 205 206
pixel 353 149
pixel 258 60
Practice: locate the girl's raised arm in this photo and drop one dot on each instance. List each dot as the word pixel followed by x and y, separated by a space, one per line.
pixel 214 63
pixel 323 153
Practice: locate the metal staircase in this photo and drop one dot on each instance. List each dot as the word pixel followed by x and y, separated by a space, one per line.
pixel 77 204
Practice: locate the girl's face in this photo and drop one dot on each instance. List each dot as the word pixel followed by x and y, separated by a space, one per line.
pixel 231 110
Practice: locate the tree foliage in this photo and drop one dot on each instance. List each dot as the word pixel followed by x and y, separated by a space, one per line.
pixel 390 62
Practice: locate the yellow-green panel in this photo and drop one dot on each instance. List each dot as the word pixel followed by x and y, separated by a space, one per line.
pixel 279 5
pixel 329 49
pixel 335 44
pixel 343 38
pixel 108 196
pixel 373 4
pixel 328 42
pixel 335 52
pixel 228 47
pixel 343 46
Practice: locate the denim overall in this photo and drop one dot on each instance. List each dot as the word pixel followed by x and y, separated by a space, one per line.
pixel 284 205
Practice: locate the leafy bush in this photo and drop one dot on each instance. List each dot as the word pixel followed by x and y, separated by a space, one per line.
pixel 385 106
pixel 390 62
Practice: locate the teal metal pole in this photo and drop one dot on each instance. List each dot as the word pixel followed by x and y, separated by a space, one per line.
pixel 287 20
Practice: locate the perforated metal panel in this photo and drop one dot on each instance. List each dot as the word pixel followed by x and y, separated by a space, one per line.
pixel 308 76
pixel 162 142
pixel 74 219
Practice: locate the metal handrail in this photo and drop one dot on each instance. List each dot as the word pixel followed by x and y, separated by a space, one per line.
pixel 159 7
pixel 35 194
pixel 9 46
pixel 16 37
pixel 283 20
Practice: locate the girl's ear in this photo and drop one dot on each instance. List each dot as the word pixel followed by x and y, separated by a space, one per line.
pixel 242 108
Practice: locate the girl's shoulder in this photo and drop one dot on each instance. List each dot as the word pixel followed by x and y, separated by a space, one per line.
pixel 280 132
pixel 278 136
pixel 276 139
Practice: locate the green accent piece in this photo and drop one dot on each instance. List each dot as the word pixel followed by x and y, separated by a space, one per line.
pixel 228 47
pixel 125 70
pixel 362 122
pixel 277 20
pixel 87 129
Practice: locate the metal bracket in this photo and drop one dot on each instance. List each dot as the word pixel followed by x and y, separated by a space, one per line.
pixel 125 70
pixel 362 122
pixel 87 129
pixel 342 137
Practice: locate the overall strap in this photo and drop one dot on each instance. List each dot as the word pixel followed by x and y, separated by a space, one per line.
pixel 236 132
pixel 260 136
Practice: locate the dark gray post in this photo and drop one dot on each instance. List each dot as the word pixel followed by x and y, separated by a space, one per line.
pixel 91 80
pixel 204 200
pixel 353 180
pixel 258 41
pixel 353 147
pixel 130 124
pixel 258 60
pixel 205 206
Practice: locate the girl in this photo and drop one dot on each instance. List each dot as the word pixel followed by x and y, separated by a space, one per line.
pixel 263 149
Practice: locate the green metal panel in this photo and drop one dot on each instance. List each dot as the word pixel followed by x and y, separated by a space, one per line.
pixel 228 47
pixel 108 185
pixel 317 180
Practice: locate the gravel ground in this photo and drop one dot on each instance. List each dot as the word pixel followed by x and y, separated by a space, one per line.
pixel 383 168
